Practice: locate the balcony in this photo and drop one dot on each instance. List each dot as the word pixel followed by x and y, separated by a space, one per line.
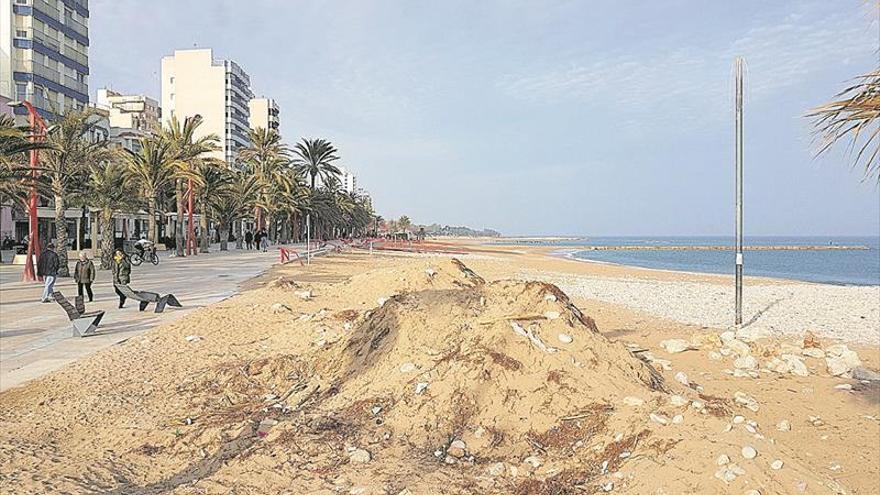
pixel 44 40
pixel 76 25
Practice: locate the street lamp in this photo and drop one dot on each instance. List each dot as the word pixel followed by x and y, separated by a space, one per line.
pixel 38 131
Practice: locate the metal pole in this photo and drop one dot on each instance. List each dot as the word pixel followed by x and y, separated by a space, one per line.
pixel 191 249
pixel 739 189
pixel 309 239
pixel 33 250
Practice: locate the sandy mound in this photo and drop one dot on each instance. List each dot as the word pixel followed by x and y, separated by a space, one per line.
pixel 445 384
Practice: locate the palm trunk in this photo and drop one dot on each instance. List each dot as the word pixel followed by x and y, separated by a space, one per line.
pixel 224 235
pixel 203 222
pixel 107 238
pixel 238 236
pixel 151 221
pixel 178 229
pixel 61 234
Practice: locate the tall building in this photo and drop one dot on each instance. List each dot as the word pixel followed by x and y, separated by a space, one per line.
pixel 347 180
pixel 193 83
pixel 44 54
pixel 136 112
pixel 264 114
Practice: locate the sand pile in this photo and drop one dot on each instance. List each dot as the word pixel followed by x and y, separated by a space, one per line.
pixel 418 380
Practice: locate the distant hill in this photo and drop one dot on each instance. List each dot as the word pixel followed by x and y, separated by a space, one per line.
pixel 437 230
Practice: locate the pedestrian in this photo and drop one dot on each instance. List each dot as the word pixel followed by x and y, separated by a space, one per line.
pixel 249 239
pixel 47 268
pixel 121 274
pixel 84 275
pixel 258 238
pixel 264 240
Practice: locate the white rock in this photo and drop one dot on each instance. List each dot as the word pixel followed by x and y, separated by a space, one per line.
pixel 723 460
pixel 674 346
pixel 550 297
pixel 682 378
pixel 305 295
pixel 677 419
pixel 193 338
pixel 843 386
pixel 746 400
pixel 496 469
pixel 381 301
pixel 678 400
pixel 552 315
pixel 745 363
pixel 796 364
pixel 739 347
pixel 633 401
pixel 725 351
pixel 813 353
pixel 659 418
pixel 421 387
pixel 749 452
pixel 715 356
pixel 777 365
pixel 776 465
pixel 738 420
pixel 533 461
pixel 698 405
pixel 280 308
pixel 376 410
pixel 607 487
pixel 783 425
pixel 359 456
pixel 728 336
pixel 407 368
pixel 565 338
pixel 430 272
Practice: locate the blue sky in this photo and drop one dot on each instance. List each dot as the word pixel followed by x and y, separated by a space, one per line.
pixel 569 117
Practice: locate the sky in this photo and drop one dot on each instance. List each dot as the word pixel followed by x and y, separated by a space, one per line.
pixel 542 117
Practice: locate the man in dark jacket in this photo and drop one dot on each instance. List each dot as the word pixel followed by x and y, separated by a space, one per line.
pixel 121 274
pixel 249 239
pixel 47 268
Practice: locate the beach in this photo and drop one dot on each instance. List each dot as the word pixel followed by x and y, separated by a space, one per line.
pixel 410 373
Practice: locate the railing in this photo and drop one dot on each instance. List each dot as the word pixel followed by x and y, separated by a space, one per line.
pixel 77 26
pixel 41 37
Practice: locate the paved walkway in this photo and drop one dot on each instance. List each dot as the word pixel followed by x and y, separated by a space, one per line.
pixel 35 338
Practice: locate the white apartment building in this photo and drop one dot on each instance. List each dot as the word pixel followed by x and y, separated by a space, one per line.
pixel 44 55
pixel 135 112
pixel 264 114
pixel 193 83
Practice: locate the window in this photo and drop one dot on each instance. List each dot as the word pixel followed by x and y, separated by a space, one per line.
pixel 21 91
pixel 20 33
pixel 171 80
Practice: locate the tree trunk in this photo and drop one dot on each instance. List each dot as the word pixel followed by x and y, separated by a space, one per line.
pixel 239 241
pixel 203 236
pixel 224 235
pixel 151 221
pixel 61 235
pixel 178 229
pixel 107 238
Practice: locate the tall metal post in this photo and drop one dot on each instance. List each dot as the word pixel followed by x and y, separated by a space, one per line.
pixel 739 188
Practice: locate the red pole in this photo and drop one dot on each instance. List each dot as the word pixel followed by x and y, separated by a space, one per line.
pixel 190 229
pixel 33 250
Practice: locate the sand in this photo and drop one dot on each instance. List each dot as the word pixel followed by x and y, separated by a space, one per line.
pixel 404 374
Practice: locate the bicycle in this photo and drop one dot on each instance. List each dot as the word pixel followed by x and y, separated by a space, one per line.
pixel 137 258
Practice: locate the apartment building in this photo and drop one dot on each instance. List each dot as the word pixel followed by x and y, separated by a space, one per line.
pixel 136 112
pixel 194 83
pixel 44 54
pixel 264 114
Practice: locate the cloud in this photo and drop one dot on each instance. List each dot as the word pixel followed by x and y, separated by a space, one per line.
pixel 689 84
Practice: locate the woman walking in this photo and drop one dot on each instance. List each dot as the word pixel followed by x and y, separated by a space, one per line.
pixel 84 275
pixel 121 274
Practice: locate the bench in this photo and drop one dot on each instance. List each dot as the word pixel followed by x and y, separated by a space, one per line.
pixel 84 323
pixel 146 297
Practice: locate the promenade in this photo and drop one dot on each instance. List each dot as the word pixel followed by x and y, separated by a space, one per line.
pixel 35 338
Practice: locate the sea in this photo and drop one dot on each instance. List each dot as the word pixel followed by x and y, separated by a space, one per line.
pixel 844 267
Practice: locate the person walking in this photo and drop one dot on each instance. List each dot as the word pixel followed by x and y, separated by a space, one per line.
pixel 121 274
pixel 258 238
pixel 249 239
pixel 264 240
pixel 47 268
pixel 84 275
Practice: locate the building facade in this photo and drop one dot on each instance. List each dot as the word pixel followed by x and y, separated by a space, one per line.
pixel 135 112
pixel 193 83
pixel 44 54
pixel 264 114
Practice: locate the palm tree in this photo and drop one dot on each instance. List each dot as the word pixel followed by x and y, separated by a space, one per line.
pixel 234 201
pixel 110 191
pixel 268 159
pixel 404 223
pixel 151 170
pixel 210 177
pixel 65 164
pixel 853 115
pixel 188 151
pixel 314 158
